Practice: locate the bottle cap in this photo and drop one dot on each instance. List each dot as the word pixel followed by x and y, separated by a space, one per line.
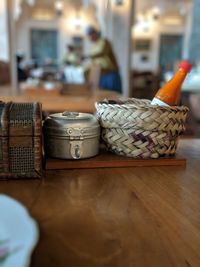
pixel 184 64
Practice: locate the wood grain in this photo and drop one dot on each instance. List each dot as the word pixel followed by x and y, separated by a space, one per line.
pixel 114 217
pixel 110 160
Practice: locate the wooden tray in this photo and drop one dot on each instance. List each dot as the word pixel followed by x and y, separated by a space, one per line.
pixel 109 160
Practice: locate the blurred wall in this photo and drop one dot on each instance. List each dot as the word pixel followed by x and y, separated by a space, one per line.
pixel 194 50
pixel 114 21
pixel 65 25
pixel 4 49
pixel 152 33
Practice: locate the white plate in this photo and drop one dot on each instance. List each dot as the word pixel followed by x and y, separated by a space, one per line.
pixel 20 231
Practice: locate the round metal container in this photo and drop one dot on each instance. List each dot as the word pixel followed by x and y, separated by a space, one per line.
pixel 71 135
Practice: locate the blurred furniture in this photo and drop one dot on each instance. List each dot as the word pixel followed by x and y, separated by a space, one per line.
pixel 71 89
pixel 58 103
pixel 5 90
pixel 192 100
pixel 41 89
pixel 144 84
pixel 190 96
pixel 87 88
pixel 115 217
pixel 74 74
pixel 94 77
pixel 4 73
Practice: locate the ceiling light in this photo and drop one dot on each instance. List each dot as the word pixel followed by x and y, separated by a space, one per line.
pixel 59 5
pixel 156 12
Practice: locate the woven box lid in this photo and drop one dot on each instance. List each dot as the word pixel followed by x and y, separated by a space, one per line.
pixel 20 119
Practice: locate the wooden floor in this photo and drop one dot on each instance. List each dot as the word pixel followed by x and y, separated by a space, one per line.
pixel 132 217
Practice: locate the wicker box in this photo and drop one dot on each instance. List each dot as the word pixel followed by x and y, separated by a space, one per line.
pixel 20 140
pixel 137 129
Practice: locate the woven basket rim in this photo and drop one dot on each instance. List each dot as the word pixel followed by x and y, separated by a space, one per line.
pixel 139 105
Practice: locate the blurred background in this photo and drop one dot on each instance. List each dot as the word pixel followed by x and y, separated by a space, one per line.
pixel 49 52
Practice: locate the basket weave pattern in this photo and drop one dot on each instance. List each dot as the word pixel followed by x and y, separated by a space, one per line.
pixel 135 128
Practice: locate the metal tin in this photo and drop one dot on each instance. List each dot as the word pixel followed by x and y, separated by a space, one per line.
pixel 71 135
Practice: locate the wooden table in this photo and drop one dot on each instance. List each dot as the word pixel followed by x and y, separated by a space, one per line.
pixel 141 217
pixel 53 102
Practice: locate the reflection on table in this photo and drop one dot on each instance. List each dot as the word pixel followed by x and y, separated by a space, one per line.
pixel 115 217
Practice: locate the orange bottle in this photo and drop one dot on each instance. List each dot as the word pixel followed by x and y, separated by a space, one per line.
pixel 169 94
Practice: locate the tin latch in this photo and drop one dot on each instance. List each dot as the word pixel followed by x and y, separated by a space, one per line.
pixel 76 149
pixel 76 140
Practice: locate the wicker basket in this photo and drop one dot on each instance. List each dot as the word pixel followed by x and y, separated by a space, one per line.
pixel 137 129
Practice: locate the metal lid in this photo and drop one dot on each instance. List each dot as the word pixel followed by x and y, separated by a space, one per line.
pixel 72 124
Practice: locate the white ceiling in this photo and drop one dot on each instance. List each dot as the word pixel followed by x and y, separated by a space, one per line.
pixel 164 5
pixel 51 2
pixel 142 6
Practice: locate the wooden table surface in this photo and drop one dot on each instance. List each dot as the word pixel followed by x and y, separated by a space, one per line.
pixel 141 217
pixel 53 102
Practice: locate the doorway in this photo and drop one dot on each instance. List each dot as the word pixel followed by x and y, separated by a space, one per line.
pixel 170 51
pixel 44 46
